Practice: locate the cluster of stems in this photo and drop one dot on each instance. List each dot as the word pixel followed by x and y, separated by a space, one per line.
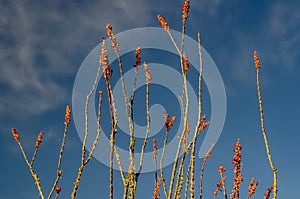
pixel 182 183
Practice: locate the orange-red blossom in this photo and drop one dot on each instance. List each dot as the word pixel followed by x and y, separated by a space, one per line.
pixel 67 115
pixel 39 139
pixel 256 60
pixel 15 134
pixel 163 22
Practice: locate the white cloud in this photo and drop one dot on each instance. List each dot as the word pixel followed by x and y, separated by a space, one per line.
pixel 40 43
pixel 43 43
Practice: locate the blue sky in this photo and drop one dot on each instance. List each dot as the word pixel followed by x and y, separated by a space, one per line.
pixel 43 43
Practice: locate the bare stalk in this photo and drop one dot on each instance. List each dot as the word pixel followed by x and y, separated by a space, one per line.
pixel 180 178
pixel 112 138
pixel 34 155
pixel 147 132
pixel 83 149
pixel 196 134
pixel 155 159
pixel 262 120
pixel 185 120
pixel 202 169
pixel 133 177
pixel 187 182
pixel 161 163
pixel 59 171
pixel 98 129
pixel 115 46
pixel 33 174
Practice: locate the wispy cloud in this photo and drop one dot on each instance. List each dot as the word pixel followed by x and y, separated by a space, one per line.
pixel 42 44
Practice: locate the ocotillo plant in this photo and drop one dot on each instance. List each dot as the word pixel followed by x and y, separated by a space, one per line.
pixel 181 183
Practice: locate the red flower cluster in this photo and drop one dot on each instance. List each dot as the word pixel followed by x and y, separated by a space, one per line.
pixel 252 187
pixel 256 60
pixel 137 56
pixel 67 115
pixel 156 189
pixel 268 192
pixel 163 22
pixel 221 184
pixel 221 169
pixel 112 37
pixel 185 64
pixel 15 134
pixel 203 124
pixel 39 139
pixel 236 161
pixel 219 188
pixel 185 10
pixel 110 33
pixel 107 73
pixel 168 122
